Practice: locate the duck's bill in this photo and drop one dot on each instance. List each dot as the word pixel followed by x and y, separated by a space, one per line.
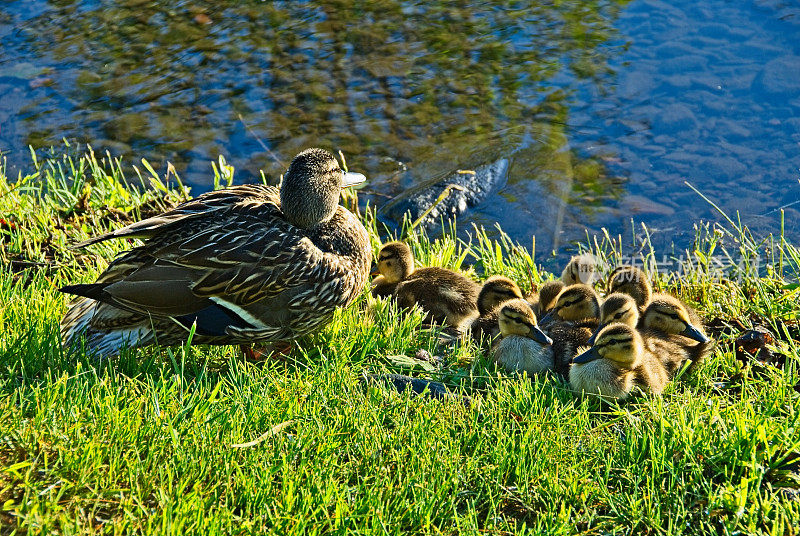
pixel 587 357
pixel 351 179
pixel 694 333
pixel 548 317
pixel 539 336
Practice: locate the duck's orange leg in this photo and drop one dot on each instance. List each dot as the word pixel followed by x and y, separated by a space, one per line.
pixel 275 350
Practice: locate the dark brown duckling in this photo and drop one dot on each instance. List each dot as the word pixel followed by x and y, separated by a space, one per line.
pixel 446 296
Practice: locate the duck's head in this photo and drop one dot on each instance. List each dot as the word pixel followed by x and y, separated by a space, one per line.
pixel 395 261
pixel 575 302
pixel 548 294
pixel 618 307
pixel 632 281
pixel 618 343
pixel 668 315
pixel 580 269
pixel 311 186
pixel 496 290
pixel 517 318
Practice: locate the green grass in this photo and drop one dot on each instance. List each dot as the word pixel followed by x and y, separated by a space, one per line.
pixel 143 444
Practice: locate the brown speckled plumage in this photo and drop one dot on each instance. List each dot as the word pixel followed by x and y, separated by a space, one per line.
pixel 232 261
pixel 448 297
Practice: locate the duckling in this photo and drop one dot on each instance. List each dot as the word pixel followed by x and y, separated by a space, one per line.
pixel 619 360
pixel 664 318
pixel 523 346
pixel 395 263
pixel 545 299
pixel 580 269
pixel 570 323
pixel 617 307
pixel 670 315
pixel 446 296
pixel 575 303
pixel 632 281
pixel 669 319
pixel 249 263
pixel 496 290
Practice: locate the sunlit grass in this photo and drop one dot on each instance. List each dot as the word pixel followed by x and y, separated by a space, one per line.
pixel 144 443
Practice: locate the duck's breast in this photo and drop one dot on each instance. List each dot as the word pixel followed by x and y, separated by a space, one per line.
pixel 521 354
pixel 599 377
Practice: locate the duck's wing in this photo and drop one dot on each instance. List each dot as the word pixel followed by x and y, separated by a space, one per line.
pixel 201 206
pixel 211 267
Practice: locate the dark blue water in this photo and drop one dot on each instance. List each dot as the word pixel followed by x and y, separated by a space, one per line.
pixel 603 109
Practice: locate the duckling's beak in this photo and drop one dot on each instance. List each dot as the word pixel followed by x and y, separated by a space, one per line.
pixel 375 272
pixel 548 317
pixel 594 335
pixel 694 333
pixel 351 179
pixel 539 336
pixel 587 356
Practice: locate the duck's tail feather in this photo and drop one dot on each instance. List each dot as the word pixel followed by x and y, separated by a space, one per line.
pixel 77 324
pixel 95 291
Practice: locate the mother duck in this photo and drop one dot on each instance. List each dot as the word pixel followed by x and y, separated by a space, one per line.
pixel 249 263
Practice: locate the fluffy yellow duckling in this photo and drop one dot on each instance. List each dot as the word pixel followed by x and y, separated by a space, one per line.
pixel 669 319
pixel 618 361
pixel 665 318
pixel 524 347
pixel 496 290
pixel 575 303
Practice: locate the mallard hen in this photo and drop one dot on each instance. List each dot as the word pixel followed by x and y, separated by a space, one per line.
pixel 245 264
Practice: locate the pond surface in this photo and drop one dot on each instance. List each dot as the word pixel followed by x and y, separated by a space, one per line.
pixel 602 109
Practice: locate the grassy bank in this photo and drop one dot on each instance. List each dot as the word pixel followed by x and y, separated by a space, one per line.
pixel 144 444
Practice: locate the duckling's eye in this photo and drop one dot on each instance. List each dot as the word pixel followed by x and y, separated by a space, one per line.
pixel 619 315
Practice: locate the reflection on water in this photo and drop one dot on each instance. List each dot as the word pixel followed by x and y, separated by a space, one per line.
pixel 408 91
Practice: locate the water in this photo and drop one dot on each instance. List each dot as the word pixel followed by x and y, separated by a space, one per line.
pixel 603 109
